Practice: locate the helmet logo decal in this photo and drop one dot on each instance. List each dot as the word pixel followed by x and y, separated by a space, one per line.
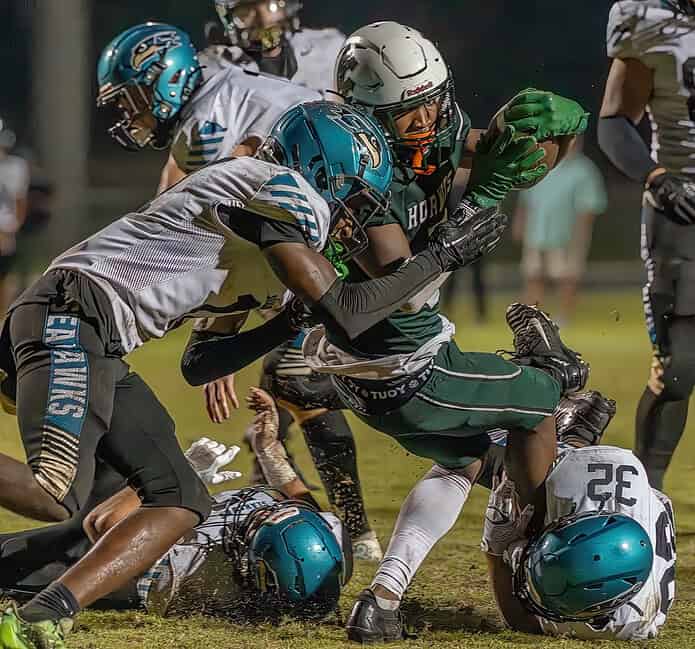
pixel 153 46
pixel 418 90
pixel 371 145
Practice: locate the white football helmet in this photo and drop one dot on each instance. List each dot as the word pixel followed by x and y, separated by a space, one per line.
pixel 389 69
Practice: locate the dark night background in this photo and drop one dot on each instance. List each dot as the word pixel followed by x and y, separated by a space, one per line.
pixel 495 48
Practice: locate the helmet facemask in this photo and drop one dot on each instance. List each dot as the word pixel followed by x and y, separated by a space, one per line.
pixel 240 531
pixel 422 151
pixel 135 125
pixel 259 26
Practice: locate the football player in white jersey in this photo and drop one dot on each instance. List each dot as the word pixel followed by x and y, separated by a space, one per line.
pixel 230 115
pixel 227 239
pixel 234 564
pixel 227 115
pixel 603 564
pixel 652 44
pixel 266 36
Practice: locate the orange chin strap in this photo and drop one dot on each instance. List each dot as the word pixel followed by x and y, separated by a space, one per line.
pixel 420 143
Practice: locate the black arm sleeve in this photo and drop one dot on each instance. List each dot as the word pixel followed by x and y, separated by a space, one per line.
pixel 623 145
pixel 351 309
pixel 210 356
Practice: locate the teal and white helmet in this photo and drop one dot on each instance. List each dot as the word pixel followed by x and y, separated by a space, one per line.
pixel 388 69
pixel 583 567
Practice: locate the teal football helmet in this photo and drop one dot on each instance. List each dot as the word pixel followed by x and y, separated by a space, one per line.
pixel 344 155
pixel 147 73
pixel 583 567
pixel 290 553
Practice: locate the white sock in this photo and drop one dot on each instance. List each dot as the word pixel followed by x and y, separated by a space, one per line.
pixel 387 604
pixel 427 514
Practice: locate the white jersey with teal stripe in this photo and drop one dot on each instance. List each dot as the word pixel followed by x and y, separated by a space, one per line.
pixel 610 479
pixel 665 43
pixel 315 51
pixel 233 106
pixel 178 256
pixel 197 571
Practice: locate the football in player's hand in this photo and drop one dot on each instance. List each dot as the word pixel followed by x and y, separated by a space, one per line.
pixel 555 148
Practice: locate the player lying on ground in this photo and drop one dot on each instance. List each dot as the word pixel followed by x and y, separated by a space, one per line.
pixel 652 44
pixel 603 563
pixel 261 550
pixel 229 115
pixel 267 36
pixel 229 238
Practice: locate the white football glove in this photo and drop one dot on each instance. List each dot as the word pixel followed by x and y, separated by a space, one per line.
pixel 207 457
pixel 505 524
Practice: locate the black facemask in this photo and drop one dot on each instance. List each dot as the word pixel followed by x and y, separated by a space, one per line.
pixel 282 65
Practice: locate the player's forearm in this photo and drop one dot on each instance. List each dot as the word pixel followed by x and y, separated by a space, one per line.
pixel 513 613
pixel 623 145
pixel 352 309
pixel 208 357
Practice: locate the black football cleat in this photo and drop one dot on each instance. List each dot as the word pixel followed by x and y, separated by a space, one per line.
pixel 582 418
pixel 537 343
pixel 370 624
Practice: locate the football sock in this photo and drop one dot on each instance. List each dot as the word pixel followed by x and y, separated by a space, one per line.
pixel 53 603
pixel 427 514
pixel 332 447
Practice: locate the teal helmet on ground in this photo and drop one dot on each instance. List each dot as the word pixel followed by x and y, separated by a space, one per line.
pixel 294 557
pixel 148 70
pixel 584 567
pixel 344 155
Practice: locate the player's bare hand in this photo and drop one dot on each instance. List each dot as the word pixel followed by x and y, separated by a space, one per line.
pixel 263 431
pixel 109 513
pixel 220 399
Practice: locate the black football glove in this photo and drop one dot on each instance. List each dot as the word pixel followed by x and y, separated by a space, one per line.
pixel 674 196
pixel 470 233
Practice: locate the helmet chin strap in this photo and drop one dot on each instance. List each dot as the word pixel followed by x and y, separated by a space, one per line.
pixel 419 145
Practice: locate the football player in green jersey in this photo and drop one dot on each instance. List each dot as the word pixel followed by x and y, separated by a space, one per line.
pixel 406 376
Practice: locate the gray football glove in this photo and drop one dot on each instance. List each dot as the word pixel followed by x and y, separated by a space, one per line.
pixel 470 233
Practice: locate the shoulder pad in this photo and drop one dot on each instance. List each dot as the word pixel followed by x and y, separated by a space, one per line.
pixel 288 197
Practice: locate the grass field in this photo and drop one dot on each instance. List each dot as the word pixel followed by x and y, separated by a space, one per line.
pixel 449 600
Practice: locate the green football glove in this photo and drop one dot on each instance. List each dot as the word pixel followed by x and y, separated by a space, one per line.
pixel 501 162
pixel 545 114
